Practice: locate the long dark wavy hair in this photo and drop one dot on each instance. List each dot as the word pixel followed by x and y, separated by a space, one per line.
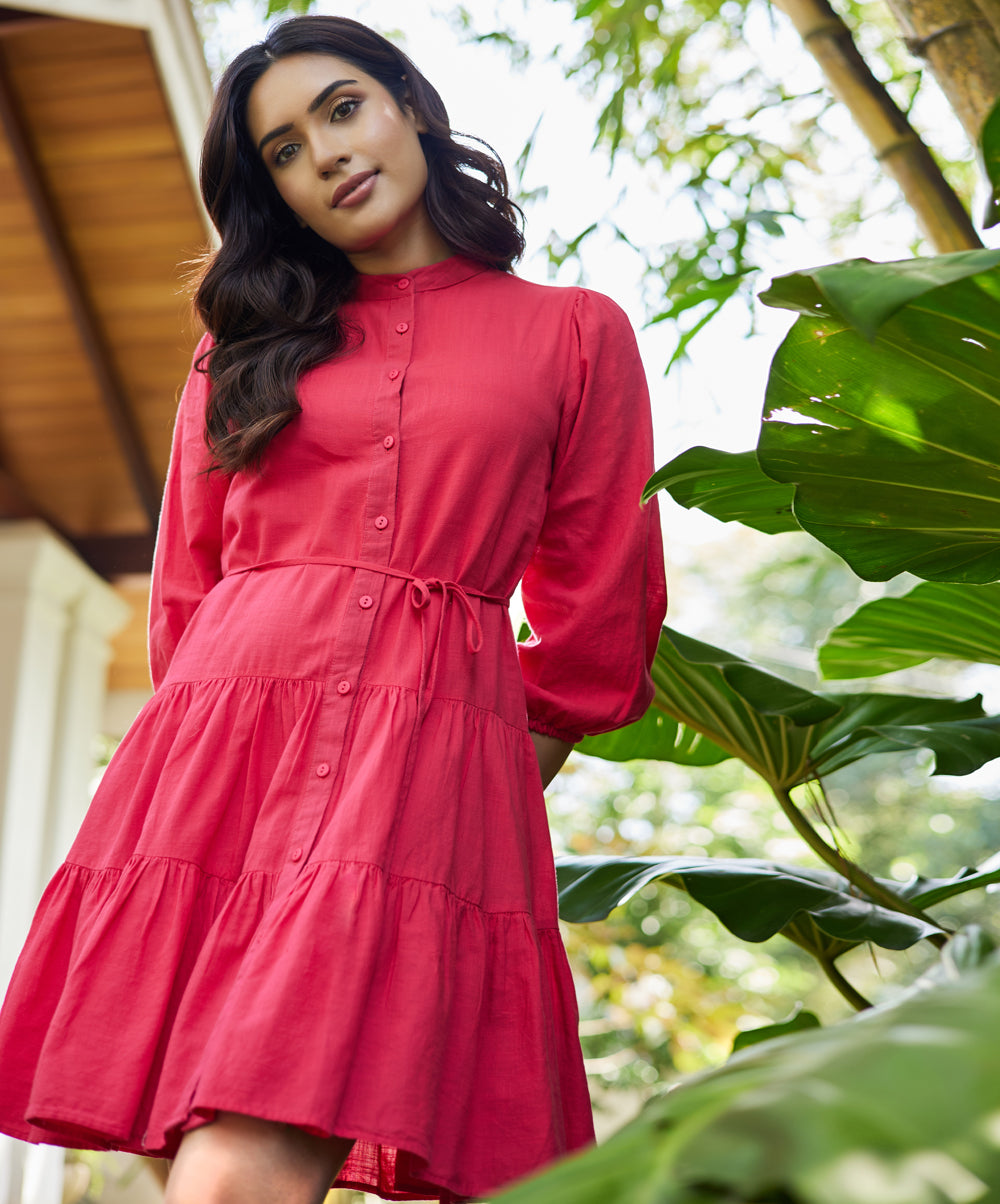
pixel 270 296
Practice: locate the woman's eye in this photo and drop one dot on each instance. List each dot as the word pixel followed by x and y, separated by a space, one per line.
pixel 344 108
pixel 284 153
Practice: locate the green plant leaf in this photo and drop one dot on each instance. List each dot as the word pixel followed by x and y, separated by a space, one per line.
pixel 926 892
pixel 788 735
pixel 753 899
pixel 967 950
pixel 729 486
pixel 655 737
pixel 866 294
pixel 878 723
pixel 898 1104
pixel 893 446
pixel 796 1023
pixel 770 695
pixel 989 145
pixel 802 931
pixel 749 713
pixel 279 8
pixel 959 748
pixel 937 618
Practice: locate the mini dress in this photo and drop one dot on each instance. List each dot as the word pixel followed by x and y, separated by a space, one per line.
pixel 316 882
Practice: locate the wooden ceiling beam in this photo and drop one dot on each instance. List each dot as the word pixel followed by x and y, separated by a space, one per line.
pixel 113 395
pixel 114 556
pixel 14 20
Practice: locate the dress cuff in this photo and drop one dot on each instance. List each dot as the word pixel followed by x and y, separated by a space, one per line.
pixel 546 729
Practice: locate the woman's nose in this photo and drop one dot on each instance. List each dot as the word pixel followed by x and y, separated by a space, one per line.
pixel 330 154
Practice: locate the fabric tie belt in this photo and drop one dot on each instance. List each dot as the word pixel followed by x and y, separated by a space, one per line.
pixel 418 592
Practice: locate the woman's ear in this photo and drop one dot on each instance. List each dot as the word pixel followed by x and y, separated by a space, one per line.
pixel 421 125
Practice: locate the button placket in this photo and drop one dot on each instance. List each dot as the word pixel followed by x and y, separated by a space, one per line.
pixel 380 517
pixel 344 680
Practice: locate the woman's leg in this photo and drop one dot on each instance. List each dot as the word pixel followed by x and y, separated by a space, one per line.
pixel 243 1160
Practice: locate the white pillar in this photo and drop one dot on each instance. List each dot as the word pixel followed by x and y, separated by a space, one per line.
pixel 56 618
pixel 43 1175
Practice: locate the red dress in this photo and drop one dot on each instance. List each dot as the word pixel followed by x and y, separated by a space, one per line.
pixel 316 883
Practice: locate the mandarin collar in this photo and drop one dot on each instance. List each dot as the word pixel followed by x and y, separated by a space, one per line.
pixel 421 280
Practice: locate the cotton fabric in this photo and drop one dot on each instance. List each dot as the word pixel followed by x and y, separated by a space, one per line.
pixel 316 883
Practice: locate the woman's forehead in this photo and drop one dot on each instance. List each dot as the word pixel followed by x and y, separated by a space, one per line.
pixel 290 85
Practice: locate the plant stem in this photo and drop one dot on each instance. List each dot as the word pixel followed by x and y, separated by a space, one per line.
pixel 849 992
pixel 844 866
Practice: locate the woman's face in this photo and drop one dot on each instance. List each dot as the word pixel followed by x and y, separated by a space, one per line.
pixel 346 160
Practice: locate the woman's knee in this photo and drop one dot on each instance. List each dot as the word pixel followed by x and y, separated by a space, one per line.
pixel 245 1160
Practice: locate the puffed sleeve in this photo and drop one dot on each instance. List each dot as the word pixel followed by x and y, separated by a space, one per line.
pixel 594 592
pixel 187 561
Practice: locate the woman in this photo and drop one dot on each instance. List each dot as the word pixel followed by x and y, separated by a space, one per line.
pixel 308 931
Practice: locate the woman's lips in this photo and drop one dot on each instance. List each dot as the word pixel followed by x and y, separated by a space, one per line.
pixel 354 190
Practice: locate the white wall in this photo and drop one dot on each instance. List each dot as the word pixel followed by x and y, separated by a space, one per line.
pixel 56 620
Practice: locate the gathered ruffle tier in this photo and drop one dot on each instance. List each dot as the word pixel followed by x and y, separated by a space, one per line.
pixel 163 988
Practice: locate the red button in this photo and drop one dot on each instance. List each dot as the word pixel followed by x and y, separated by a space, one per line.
pixel 365 601
pixel 393 373
pixel 381 522
pixel 402 327
pixel 322 769
pixel 295 855
pixel 404 283
pixel 343 687
pixel 388 442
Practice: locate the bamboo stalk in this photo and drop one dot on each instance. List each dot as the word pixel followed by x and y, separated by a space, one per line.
pixel 957 39
pixel 991 12
pixel 941 215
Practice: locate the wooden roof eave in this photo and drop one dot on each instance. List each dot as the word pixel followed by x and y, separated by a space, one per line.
pixel 177 49
pixel 175 55
pixel 88 327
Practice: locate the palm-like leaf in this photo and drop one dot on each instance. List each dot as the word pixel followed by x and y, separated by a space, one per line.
pixel 784 733
pixel 753 899
pixel 728 485
pixel 893 445
pixel 937 618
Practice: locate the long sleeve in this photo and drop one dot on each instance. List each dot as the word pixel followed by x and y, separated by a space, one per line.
pixel 187 562
pixel 594 592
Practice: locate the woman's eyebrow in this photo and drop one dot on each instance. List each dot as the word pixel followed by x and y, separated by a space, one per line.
pixel 313 106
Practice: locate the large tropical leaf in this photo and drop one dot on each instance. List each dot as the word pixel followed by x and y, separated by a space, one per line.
pixel 893 445
pixel 897 1106
pixel 961 737
pixel 783 732
pixel 867 294
pixel 751 714
pixel 770 695
pixel 959 748
pixel 753 899
pixel 655 737
pixel 728 485
pixel 927 892
pixel 937 618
